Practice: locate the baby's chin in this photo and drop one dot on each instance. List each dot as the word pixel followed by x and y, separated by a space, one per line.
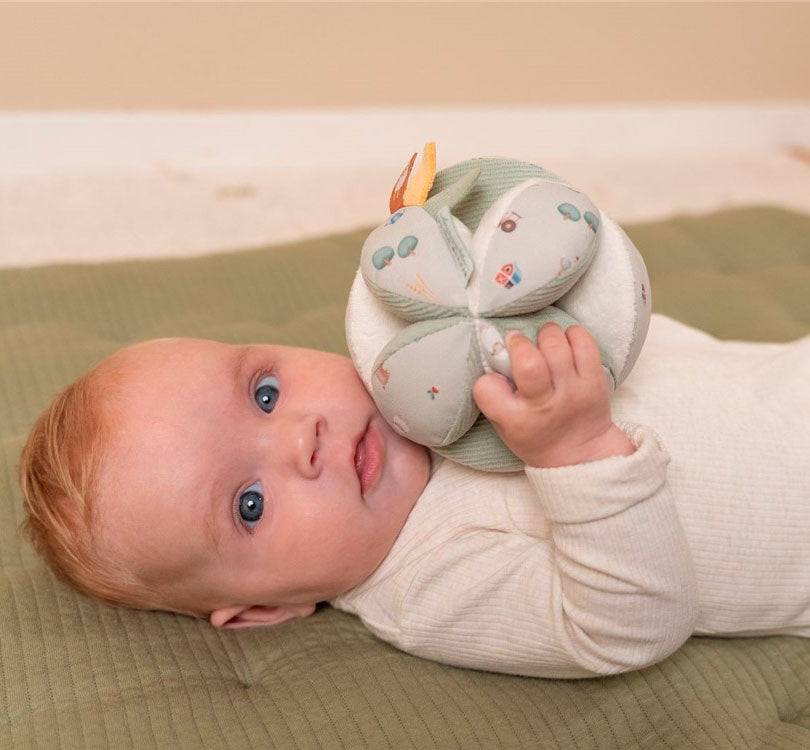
pixel 408 462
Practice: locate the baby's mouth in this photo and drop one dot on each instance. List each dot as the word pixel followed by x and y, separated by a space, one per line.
pixel 368 458
pixel 360 455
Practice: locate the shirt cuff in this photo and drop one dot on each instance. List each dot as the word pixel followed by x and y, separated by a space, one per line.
pixel 599 489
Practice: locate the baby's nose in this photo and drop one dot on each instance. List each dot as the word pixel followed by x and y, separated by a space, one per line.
pixel 306 437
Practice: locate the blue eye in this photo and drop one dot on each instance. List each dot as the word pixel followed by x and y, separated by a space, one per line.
pixel 266 393
pixel 251 505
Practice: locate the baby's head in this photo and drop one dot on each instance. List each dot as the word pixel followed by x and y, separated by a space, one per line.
pixel 219 481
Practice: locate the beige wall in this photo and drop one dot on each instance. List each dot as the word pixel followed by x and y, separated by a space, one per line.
pixel 235 55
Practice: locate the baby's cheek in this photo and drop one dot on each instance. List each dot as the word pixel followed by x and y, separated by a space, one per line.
pixel 411 464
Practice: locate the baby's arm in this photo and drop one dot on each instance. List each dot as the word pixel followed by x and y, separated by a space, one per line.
pixel 605 586
pixel 560 413
pixel 614 587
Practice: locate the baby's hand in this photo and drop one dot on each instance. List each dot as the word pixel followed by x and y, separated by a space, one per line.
pixel 560 413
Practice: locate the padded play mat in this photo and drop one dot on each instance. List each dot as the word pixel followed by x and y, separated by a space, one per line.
pixel 74 673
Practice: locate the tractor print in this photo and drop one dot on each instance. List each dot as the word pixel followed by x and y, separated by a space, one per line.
pixel 509 222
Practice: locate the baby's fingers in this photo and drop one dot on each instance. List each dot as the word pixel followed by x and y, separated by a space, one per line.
pixel 495 397
pixel 587 359
pixel 553 343
pixel 529 368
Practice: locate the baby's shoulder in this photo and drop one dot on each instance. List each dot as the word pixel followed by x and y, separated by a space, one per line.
pixel 459 500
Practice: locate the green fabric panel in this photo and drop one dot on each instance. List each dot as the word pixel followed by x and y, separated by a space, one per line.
pixel 444 200
pixel 415 331
pixel 412 309
pixel 78 674
pixel 455 243
pixel 497 176
pixel 482 448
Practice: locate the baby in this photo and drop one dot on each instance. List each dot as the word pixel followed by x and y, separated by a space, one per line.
pixel 246 484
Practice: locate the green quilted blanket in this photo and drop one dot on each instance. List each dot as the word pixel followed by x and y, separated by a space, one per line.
pixel 74 673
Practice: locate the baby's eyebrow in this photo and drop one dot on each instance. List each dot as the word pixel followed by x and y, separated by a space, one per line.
pixel 240 355
pixel 213 529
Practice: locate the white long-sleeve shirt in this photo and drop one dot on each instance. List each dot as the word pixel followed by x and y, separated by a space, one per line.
pixel 611 565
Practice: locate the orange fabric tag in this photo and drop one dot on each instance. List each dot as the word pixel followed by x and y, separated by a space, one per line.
pixel 413 191
pixel 417 190
pixel 397 199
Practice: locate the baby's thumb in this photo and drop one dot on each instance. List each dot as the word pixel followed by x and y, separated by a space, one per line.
pixel 494 395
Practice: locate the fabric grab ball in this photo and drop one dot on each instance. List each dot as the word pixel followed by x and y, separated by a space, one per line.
pixel 497 245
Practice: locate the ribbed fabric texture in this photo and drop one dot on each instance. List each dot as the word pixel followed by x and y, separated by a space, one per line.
pixel 497 176
pixel 611 565
pixel 76 674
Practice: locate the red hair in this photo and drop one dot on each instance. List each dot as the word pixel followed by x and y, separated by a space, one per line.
pixel 59 468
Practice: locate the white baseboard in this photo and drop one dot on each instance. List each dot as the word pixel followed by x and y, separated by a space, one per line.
pixel 45 143
pixel 93 186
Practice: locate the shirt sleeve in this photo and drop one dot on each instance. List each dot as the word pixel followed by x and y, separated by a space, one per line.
pixel 612 589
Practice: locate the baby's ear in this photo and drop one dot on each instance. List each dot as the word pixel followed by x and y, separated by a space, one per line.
pixel 258 615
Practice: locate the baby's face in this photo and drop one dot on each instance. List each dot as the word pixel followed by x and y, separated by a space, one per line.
pixel 231 474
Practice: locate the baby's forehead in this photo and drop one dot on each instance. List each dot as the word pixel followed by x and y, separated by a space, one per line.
pixel 164 362
pixel 175 346
pixel 162 398
pixel 164 418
